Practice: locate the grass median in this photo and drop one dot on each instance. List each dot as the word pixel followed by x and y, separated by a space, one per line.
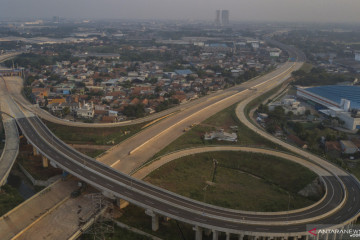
pixel 95 136
pixel 241 180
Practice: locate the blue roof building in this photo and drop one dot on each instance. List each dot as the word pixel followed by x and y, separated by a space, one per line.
pixel 184 72
pixel 338 101
pixel 330 96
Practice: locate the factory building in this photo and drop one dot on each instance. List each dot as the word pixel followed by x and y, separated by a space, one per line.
pixel 336 101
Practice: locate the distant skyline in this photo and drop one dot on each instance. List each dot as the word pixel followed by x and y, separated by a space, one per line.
pixel 240 10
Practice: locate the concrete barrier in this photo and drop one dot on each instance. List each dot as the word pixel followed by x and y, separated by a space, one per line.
pixel 41 183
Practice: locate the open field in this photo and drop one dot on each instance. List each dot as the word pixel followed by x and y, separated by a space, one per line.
pixel 246 181
pixel 224 120
pixel 307 67
pixel 94 136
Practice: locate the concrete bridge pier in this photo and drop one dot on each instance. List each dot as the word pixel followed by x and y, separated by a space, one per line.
pixel 333 236
pixel 198 232
pixel 227 236
pixel 326 236
pixel 35 151
pixel 215 235
pixel 45 162
pixel 240 236
pixel 341 234
pixel 207 232
pixel 120 203
pixel 154 220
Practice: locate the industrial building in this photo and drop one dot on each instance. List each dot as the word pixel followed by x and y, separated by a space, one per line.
pixel 222 18
pixel 336 101
pixel 357 56
pixel 225 17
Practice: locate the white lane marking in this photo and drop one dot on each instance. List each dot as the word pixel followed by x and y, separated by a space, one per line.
pixel 229 225
pixel 150 202
pixel 92 177
pixel 200 219
pixel 109 185
pixel 172 210
pixel 128 193
pixel 338 217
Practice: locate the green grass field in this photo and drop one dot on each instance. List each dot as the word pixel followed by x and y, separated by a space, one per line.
pixel 95 136
pixel 307 67
pixel 246 181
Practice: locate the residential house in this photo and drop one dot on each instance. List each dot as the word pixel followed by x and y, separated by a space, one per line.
pixel 348 147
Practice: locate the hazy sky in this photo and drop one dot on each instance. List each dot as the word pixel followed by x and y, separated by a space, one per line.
pixel 272 10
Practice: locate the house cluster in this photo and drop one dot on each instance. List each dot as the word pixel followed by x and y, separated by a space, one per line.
pixel 221 135
pixel 289 104
pixel 101 86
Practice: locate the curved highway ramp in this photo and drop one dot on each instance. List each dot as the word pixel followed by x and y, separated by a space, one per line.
pixel 11 148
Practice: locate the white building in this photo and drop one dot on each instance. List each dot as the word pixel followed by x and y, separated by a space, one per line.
pixel 274 52
pixel 357 56
pixel 289 105
pixel 334 109
pixel 221 136
pixel 86 110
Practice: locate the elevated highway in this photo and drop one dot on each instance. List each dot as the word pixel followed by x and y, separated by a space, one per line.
pixel 11 149
pixel 341 191
pixel 339 207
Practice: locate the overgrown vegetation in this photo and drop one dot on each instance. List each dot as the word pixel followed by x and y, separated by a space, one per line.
pixel 242 180
pixel 95 136
pixel 318 76
pixel 119 233
pixel 9 198
pixel 223 119
pixel 168 230
pixel 32 60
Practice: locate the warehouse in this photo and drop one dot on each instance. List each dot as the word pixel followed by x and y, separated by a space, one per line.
pixel 336 101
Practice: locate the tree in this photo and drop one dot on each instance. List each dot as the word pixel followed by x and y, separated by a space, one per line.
pixel 66 111
pixel 134 110
pixel 298 128
pixel 263 108
pixel 278 114
pixel 158 89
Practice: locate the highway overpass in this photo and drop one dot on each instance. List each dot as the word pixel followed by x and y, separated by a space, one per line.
pixel 340 206
pixel 342 191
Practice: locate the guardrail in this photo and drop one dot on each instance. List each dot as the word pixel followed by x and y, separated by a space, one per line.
pixel 10 162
